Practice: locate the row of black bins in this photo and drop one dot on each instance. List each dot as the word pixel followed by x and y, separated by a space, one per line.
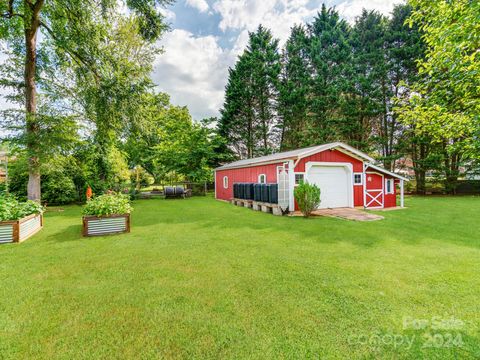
pixel 267 193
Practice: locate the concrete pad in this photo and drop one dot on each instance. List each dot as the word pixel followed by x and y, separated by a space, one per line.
pixel 256 206
pixel 345 213
pixel 247 204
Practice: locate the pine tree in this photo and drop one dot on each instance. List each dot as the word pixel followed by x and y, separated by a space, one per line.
pixel 237 121
pixel 249 112
pixel 294 90
pixel 264 58
pixel 369 90
pixel 329 53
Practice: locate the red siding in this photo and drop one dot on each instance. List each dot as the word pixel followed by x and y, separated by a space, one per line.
pixel 337 156
pixel 248 174
pixel 391 199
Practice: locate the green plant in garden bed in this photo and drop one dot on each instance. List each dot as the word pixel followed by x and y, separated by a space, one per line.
pixel 108 204
pixel 11 209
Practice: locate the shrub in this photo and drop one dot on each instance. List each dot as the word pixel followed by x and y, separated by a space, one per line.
pixel 12 209
pixel 307 197
pixel 58 189
pixel 108 204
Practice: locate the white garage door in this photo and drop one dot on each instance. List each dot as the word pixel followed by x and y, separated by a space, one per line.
pixel 334 185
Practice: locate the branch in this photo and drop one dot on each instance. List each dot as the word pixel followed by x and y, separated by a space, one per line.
pixel 9 14
pixel 78 58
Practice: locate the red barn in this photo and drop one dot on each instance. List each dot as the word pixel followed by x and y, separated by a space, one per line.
pixel 346 176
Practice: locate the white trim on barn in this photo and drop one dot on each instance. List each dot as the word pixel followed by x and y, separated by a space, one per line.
pixel 291 184
pixel 264 178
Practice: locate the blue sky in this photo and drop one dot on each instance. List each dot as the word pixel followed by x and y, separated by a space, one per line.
pixel 207 36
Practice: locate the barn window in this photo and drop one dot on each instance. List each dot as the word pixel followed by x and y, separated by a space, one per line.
pixel 225 182
pixel 262 179
pixel 389 185
pixel 299 178
pixel 358 179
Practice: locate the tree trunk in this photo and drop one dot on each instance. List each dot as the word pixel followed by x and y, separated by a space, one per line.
pixel 31 25
pixel 420 179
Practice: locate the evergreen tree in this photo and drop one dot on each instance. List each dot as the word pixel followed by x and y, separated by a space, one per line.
pixel 294 91
pixel 249 112
pixel 369 90
pixel 236 124
pixel 262 52
pixel 329 52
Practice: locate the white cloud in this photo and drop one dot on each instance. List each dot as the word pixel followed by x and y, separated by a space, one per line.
pixel 169 14
pixel 277 15
pixel 352 8
pixel 200 5
pixel 194 71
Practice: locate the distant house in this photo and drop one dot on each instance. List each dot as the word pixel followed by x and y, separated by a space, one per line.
pixel 346 176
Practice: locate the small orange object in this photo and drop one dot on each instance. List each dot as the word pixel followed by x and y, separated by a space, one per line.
pixel 89 193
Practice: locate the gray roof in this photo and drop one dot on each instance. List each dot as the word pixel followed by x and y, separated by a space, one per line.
pixel 293 154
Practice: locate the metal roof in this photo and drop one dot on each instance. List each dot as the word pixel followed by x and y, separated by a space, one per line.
pixel 382 170
pixel 294 155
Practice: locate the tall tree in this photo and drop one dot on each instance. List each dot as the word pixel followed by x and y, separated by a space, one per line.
pixel 72 29
pixel 249 111
pixel 237 123
pixel 445 103
pixel 294 90
pixel 264 57
pixel 329 52
pixel 369 82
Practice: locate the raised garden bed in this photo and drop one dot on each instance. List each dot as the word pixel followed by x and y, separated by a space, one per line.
pixel 20 230
pixel 107 214
pixel 106 225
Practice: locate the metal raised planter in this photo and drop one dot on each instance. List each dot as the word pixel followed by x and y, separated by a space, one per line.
pixel 20 230
pixel 106 225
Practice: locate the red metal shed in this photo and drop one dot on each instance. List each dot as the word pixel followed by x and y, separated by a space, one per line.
pixel 346 176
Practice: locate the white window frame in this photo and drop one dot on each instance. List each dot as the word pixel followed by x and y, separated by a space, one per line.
pixel 225 182
pixel 264 177
pixel 361 179
pixel 392 186
pixel 295 177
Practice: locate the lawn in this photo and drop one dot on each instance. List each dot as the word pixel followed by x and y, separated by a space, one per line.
pixel 199 278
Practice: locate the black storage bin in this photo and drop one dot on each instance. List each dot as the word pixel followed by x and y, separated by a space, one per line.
pixel 265 197
pixel 273 193
pixel 235 190
pixel 243 187
pixel 249 191
pixel 257 192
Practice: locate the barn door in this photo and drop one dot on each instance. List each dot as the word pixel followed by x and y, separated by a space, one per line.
pixel 283 187
pixel 374 198
pixel 374 191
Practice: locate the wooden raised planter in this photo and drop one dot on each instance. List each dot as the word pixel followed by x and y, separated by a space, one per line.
pixel 106 225
pixel 20 230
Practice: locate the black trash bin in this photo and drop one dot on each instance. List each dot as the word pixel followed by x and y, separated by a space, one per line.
pixel 257 192
pixel 273 193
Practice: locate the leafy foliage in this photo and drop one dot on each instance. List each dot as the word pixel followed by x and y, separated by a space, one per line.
pixel 12 209
pixel 307 197
pixel 92 64
pixel 444 103
pixel 108 204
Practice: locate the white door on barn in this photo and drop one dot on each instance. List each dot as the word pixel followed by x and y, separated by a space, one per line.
pixel 335 183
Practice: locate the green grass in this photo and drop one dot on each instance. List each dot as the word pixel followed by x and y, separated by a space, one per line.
pixel 199 278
